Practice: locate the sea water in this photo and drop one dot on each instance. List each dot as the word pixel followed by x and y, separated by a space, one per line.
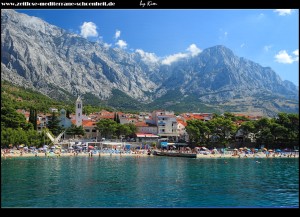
pixel 156 182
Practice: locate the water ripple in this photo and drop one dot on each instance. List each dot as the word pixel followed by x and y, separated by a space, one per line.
pixel 149 182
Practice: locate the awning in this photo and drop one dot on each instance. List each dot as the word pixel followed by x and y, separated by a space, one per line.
pixel 112 143
pixel 146 135
pixel 168 134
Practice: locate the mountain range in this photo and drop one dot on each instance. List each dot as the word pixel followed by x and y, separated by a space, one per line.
pixel 60 64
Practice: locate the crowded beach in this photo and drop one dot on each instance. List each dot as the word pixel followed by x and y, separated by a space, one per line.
pixel 202 152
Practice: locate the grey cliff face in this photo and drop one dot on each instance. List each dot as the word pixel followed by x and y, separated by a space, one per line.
pixel 42 56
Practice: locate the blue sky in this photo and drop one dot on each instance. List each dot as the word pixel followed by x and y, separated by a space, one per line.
pixel 268 37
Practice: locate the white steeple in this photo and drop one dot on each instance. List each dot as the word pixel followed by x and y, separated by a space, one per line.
pixel 78 112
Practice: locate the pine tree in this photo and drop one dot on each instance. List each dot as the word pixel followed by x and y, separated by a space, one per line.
pixel 118 119
pixel 68 114
pixel 53 125
pixel 33 118
pixel 31 115
pixel 115 117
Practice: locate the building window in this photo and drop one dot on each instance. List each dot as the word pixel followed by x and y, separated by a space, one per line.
pixel 94 131
pixel 79 105
pixel 87 130
pixel 78 114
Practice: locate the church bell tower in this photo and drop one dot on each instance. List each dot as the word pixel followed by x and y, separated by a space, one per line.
pixel 78 112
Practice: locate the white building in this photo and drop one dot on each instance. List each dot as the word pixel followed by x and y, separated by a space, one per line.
pixel 166 124
pixel 53 109
pixel 143 127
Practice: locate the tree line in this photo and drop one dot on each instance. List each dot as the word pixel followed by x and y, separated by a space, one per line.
pixel 281 131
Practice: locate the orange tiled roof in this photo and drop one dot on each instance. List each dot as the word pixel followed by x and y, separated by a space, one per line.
pixel 88 123
pixel 141 124
pixel 182 122
pixel 199 117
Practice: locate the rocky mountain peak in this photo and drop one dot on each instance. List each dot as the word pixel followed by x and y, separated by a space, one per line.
pixel 51 60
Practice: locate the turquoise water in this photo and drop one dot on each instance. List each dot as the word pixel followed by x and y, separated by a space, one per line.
pixel 148 182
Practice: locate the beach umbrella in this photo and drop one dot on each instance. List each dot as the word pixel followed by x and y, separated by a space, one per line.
pixel 71 148
pixel 278 150
pixel 270 150
pixel 21 146
pixel 265 149
pixel 91 147
pixel 235 149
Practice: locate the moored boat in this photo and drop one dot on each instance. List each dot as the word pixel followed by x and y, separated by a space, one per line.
pixel 174 154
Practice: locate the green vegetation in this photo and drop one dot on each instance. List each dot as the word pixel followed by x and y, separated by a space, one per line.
pixel 122 102
pixel 53 125
pixel 180 103
pixel 15 130
pixel 111 129
pixel 33 118
pixel 75 131
pixel 278 132
pixel 22 98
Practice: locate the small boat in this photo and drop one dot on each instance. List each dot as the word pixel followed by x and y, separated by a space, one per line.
pixel 174 154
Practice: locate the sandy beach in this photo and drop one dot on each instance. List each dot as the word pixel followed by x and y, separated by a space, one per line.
pixel 17 153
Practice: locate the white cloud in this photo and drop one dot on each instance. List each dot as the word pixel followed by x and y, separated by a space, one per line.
pixel 296 53
pixel 173 58
pixel 225 34
pixel 283 12
pixel 122 44
pixel 106 45
pixel 284 57
pixel 242 45
pixel 267 47
pixel 147 57
pixel 88 29
pixel 117 34
pixel 194 50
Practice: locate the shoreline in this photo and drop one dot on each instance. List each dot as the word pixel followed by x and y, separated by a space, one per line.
pixel 202 156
